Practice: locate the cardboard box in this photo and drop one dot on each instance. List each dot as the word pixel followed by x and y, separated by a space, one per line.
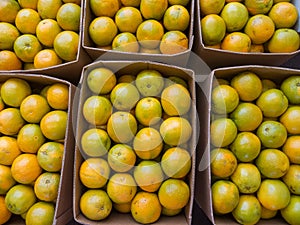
pixel 131 67
pixel 203 180
pixel 95 53
pixel 220 58
pixel 63 210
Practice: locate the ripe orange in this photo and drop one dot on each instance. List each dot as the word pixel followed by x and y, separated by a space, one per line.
pixel 6 179
pixel 50 156
pixel 68 16
pixel 176 17
pixel 104 7
pixel 9 61
pixel 41 213
pixel 284 40
pixel 48 8
pixel 5 213
pixel 58 96
pixel 292 178
pixel 267 213
pixel 236 41
pixel 134 3
pixel 31 4
pixel 11 121
pixel 149 82
pixel 284 14
pixel 211 6
pixel 173 42
pixel 258 6
pixel 9 150
pixel 66 45
pixel 148 111
pixel 125 42
pixel 268 84
pixel 128 19
pixel 179 2
pixel 46 186
pixel 213 29
pixel 27 20
pixel 257 48
pixel 46 58
pixel 222 131
pixel 9 10
pixel 8 34
pixel 291 148
pixel 223 162
pixel 153 9
pixel 46 31
pixel 291 119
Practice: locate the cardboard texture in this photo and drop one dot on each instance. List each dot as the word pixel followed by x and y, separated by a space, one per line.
pixel 63 210
pixel 220 58
pixel 203 180
pixel 129 67
pixel 95 53
pixel 69 71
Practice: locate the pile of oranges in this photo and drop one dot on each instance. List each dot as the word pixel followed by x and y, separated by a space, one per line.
pixel 145 26
pixel 33 120
pixel 255 160
pixel 38 34
pixel 250 25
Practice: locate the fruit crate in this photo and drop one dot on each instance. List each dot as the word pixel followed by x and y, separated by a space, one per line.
pixel 203 194
pixel 105 53
pixel 121 68
pixel 63 208
pixel 215 57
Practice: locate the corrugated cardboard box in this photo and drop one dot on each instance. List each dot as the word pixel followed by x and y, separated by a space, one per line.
pixel 63 210
pixel 131 67
pixel 95 53
pixel 220 58
pixel 203 180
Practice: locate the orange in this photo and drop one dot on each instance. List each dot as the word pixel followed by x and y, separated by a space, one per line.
pixel 224 99
pixel 121 188
pixel 124 96
pixel 148 111
pixel 225 196
pixel 291 148
pixel 27 20
pixel 126 78
pixel 247 116
pixel 267 213
pixel 272 163
pixel 121 157
pixel 213 29
pixel 41 213
pixel 6 179
pixel 145 207
pixel 25 169
pixel 46 58
pixel 9 150
pixel 149 82
pixel 125 42
pixel 292 178
pixel 31 4
pixel 211 6
pixel 259 48
pixel 89 204
pixel 268 84
pixel 14 91
pixel 20 198
pixel 28 66
pixel 260 28
pixel 175 131
pixel 58 96
pixel 179 2
pixel 235 15
pixel 26 47
pixel 223 162
pixel 104 7
pixel 173 42
pixel 9 10
pixel 46 31
pixel 11 121
pixel 101 80
pixel 284 14
pixel 128 19
pixel 46 186
pixel 97 110
pixel 30 138
pixel 54 124
pixel 102 31
pixel 9 61
pixel 68 16
pixel 248 85
pixel 176 162
pixel 5 213
pixel 123 207
pixel 176 17
pixel 176 100
pixel 237 42
pixel 246 146
pixel 33 108
pixel 291 119
pixel 134 3
pixel 147 143
pixel 284 40
pixel 248 210
pixel 273 103
pixel 291 89
pixel 174 194
pixel 177 80
pixel 50 156
pixel 95 142
pixel 8 34
pixel 246 177
pixel 273 194
pixel 290 212
pixel 78 2
pixel 153 9
pixel 222 132
pixel 66 45
pixel 258 6
pixel 148 175
pixel 149 33
pixel 272 134
pixel 44 90
pixel 170 212
pixel 48 8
